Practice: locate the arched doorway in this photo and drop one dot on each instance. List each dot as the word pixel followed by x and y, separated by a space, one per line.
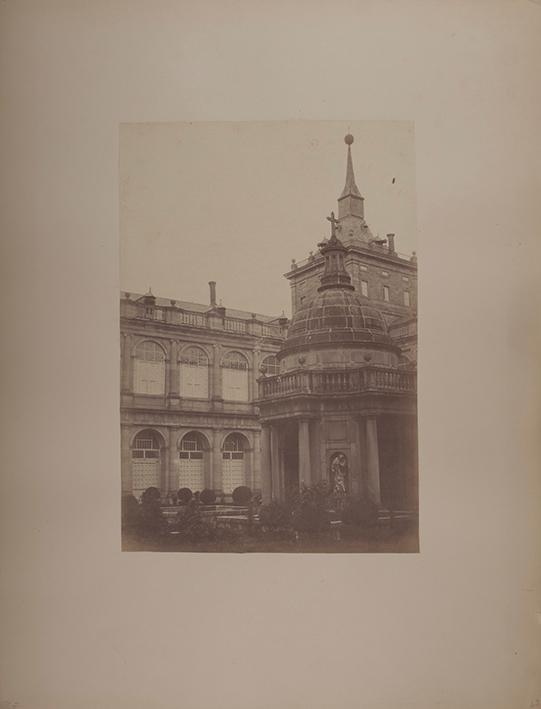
pixel 192 461
pixel 234 471
pixel 146 461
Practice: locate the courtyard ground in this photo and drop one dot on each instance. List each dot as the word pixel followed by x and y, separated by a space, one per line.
pixel 352 541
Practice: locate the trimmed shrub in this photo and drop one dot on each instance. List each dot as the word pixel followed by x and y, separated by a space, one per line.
pixel 184 495
pixel 151 494
pixel 242 495
pixel 360 512
pixel 208 497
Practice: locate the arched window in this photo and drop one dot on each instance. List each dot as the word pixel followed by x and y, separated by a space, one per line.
pixel 194 373
pixel 233 462
pixel 146 461
pixel 271 365
pixel 192 462
pixel 235 377
pixel 149 370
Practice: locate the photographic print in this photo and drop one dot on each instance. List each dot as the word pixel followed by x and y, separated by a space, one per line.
pixel 268 324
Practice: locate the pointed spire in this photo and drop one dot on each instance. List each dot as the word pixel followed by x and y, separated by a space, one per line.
pixel 350 187
pixel 351 201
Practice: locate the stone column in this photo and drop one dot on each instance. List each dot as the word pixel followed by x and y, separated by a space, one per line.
pixel 215 482
pixel 125 362
pixel 324 468
pixel 355 469
pixel 254 387
pixel 174 381
pixel 131 366
pixel 164 469
pixel 372 459
pixel 125 460
pixel 167 375
pixel 216 378
pixel 172 473
pixel 266 467
pixel 255 461
pixel 305 472
pixel 276 467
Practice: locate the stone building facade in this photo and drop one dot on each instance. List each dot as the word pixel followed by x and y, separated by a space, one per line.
pixel 215 398
pixel 189 381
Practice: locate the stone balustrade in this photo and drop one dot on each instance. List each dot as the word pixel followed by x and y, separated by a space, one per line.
pixel 337 381
pixel 178 316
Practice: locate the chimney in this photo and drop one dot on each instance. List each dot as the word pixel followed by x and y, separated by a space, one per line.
pixel 212 285
pixel 390 241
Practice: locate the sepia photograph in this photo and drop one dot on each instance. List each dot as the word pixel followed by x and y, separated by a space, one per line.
pixel 250 460
pixel 268 323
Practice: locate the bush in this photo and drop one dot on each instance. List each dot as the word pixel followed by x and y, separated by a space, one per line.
pixel 208 497
pixel 194 527
pixel 360 512
pixel 184 495
pixel 309 518
pixel 151 521
pixel 311 509
pixel 242 495
pixel 275 515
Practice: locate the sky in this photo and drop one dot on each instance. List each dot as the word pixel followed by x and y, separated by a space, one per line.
pixel 236 202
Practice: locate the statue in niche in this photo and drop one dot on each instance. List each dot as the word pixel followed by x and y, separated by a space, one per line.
pixel 339 474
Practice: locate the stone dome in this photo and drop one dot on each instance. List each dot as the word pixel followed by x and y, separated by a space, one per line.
pixel 336 316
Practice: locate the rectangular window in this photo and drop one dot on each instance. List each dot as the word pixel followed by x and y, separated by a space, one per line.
pixel 364 288
pixel 386 293
pixel 407 298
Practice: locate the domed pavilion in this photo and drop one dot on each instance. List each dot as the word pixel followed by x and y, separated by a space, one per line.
pixel 343 406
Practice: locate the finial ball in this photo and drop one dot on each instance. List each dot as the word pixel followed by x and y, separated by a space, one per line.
pixel 348 140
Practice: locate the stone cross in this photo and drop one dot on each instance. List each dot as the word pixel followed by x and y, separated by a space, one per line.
pixel 333 222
